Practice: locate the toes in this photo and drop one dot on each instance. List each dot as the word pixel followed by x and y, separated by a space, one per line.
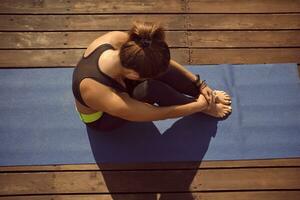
pixel 222 97
pixel 217 91
pixel 223 92
pixel 228 108
pixel 228 101
pixel 227 97
pixel 226 112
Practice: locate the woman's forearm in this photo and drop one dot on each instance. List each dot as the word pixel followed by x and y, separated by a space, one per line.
pixel 139 111
pixel 182 110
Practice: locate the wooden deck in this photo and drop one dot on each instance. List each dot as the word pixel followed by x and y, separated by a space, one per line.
pixel 54 33
pixel 247 179
pixel 40 33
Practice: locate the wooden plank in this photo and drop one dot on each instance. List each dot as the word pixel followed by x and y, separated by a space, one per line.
pixel 243 21
pixel 170 22
pixel 148 6
pixel 150 181
pixel 70 57
pixel 243 6
pixel 40 58
pixel 288 162
pixel 60 58
pixel 36 40
pixel 244 38
pixel 245 56
pixel 77 6
pixel 85 22
pixel 24 40
pixel 21 40
pixel 257 195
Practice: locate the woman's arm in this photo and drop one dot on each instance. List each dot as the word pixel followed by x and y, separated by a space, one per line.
pixel 134 110
pixel 207 91
pixel 122 105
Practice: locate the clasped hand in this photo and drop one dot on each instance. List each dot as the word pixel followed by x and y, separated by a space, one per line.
pixel 208 94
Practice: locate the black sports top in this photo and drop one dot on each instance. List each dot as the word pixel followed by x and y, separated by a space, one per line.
pixel 88 68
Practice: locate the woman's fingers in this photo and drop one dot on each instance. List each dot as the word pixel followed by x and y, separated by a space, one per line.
pixel 207 97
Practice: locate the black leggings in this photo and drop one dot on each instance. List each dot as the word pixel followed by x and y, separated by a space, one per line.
pixel 171 88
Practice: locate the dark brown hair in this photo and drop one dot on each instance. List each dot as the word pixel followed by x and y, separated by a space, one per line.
pixel 146 51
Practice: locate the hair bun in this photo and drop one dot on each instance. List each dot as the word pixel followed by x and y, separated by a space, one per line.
pixel 146 33
pixel 146 51
pixel 145 42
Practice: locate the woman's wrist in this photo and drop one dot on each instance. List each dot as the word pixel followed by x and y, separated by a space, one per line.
pixel 199 83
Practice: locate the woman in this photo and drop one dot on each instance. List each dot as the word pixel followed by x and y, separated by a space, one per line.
pixel 130 77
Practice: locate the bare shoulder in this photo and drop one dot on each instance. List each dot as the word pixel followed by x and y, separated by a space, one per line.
pixel 115 38
pixel 91 89
pixel 100 97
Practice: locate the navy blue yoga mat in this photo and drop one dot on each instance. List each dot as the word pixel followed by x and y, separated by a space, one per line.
pixel 39 124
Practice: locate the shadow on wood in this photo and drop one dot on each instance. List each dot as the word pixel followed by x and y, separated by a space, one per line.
pixel 186 140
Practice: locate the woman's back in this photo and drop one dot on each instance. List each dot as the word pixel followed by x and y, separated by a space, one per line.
pixel 94 56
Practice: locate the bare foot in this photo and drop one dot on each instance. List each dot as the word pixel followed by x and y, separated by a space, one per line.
pixel 218 110
pixel 222 97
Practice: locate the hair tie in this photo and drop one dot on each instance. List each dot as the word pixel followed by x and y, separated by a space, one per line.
pixel 145 42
